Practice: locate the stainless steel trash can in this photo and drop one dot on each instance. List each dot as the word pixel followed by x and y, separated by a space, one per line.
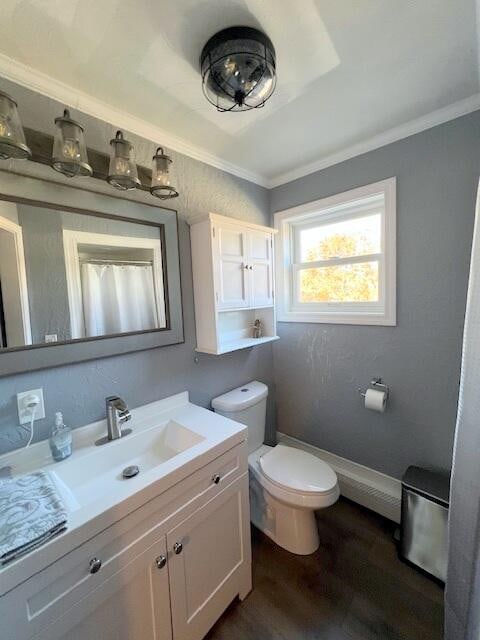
pixel 423 530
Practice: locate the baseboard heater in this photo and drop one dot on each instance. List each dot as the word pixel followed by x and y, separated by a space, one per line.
pixel 370 488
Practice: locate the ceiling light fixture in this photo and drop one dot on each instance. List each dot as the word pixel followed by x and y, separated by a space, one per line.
pixel 69 150
pixel 161 176
pixel 122 173
pixel 238 68
pixel 12 137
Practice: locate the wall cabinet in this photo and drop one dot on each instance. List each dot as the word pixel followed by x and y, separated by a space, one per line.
pixel 168 570
pixel 233 277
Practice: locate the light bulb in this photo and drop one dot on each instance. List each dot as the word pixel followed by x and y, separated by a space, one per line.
pixel 5 127
pixel 163 179
pixel 71 149
pixel 122 167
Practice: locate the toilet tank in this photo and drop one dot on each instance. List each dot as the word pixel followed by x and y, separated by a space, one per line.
pixel 247 405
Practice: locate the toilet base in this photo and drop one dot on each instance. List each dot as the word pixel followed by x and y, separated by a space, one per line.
pixel 295 529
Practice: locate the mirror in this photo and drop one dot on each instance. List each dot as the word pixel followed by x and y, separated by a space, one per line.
pixel 72 276
pixel 107 276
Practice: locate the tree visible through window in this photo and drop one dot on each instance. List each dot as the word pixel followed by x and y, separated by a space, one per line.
pixel 357 282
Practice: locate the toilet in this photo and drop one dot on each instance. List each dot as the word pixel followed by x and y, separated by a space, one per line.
pixel 287 485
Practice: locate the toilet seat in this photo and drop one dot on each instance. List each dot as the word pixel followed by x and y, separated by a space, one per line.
pixel 298 471
pixel 289 495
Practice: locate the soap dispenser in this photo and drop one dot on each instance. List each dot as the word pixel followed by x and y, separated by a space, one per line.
pixel 60 439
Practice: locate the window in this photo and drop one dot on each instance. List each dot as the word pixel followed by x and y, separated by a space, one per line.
pixel 336 258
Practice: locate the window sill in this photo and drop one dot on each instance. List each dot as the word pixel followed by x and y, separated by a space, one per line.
pixel 338 318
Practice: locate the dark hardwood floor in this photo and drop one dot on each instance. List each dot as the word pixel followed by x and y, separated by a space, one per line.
pixel 353 588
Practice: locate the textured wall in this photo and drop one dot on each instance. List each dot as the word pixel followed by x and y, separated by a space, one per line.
pixel 79 390
pixel 318 367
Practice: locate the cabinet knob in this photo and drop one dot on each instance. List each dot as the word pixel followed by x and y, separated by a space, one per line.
pixel 161 561
pixel 177 547
pixel 250 267
pixel 95 565
pixel 216 478
pixel 245 266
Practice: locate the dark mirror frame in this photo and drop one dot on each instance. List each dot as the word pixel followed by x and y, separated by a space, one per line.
pixel 51 195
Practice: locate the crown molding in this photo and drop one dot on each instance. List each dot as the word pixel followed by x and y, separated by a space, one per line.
pixel 440 116
pixel 44 84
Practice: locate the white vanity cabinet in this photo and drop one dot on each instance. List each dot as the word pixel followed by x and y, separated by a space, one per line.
pixel 133 603
pixel 233 277
pixel 208 562
pixel 166 571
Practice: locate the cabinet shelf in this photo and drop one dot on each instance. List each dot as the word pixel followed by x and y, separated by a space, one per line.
pixel 263 306
pixel 235 345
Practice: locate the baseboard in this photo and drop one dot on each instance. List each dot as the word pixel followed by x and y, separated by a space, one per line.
pixel 370 488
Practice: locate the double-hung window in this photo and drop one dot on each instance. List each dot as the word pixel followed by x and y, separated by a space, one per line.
pixel 336 258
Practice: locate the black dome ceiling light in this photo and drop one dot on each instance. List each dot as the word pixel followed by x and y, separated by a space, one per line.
pixel 238 69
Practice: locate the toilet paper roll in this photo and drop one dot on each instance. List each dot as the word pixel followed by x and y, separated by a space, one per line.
pixel 375 400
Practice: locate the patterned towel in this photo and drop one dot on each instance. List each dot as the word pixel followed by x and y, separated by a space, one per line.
pixel 31 513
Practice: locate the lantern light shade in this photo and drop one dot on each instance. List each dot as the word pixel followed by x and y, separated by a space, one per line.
pixel 12 137
pixel 238 67
pixel 161 176
pixel 69 150
pixel 122 172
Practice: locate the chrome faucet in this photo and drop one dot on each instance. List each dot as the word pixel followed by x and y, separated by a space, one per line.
pixel 117 414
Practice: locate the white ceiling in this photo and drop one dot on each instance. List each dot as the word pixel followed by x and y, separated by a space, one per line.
pixel 352 74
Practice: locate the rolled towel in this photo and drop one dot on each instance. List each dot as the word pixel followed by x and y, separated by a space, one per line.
pixel 31 513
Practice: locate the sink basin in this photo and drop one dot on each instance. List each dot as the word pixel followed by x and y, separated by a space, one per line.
pixel 80 479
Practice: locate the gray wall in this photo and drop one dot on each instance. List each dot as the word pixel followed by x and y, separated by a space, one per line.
pixel 318 367
pixel 79 390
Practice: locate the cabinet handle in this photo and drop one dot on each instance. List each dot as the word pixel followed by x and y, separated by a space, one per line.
pixel 95 565
pixel 177 547
pixel 245 266
pixel 250 267
pixel 161 561
pixel 216 478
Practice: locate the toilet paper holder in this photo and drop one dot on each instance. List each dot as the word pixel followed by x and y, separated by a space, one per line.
pixel 376 383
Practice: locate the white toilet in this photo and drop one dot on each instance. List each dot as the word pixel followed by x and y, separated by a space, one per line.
pixel 287 485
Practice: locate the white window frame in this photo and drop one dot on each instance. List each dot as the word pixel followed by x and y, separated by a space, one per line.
pixel 349 204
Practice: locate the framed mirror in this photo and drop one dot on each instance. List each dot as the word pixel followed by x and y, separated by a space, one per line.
pixel 83 275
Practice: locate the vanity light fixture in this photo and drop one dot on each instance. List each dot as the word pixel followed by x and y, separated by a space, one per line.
pixel 122 172
pixel 238 67
pixel 69 150
pixel 12 137
pixel 70 156
pixel 161 187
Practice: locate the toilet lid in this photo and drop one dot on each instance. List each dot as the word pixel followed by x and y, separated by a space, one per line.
pixel 298 470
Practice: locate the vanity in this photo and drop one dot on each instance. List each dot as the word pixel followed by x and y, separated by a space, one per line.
pixel 158 556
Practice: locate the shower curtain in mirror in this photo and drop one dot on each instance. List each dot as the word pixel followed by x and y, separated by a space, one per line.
pixel 118 298
pixel 462 596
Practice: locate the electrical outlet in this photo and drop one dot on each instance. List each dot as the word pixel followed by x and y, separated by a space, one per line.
pixel 24 411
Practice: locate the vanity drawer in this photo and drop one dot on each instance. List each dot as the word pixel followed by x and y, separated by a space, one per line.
pixel 46 596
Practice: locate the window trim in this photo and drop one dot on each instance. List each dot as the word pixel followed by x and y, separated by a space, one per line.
pixel 329 209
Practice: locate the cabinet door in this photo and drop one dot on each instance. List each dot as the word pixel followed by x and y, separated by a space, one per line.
pixel 232 268
pixel 260 259
pixel 213 564
pixel 134 603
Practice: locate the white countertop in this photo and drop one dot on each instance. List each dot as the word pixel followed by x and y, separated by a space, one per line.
pixel 214 435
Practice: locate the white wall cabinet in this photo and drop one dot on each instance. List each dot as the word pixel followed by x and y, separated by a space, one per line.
pixel 233 278
pixel 168 570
